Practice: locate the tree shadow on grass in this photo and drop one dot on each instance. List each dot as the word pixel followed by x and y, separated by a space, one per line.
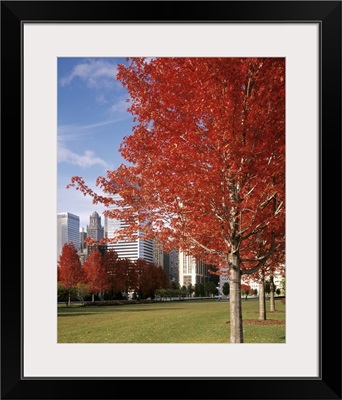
pixel 70 313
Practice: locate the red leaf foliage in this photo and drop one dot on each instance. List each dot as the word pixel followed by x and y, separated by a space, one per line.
pixel 70 271
pixel 96 277
pixel 245 287
pixel 206 158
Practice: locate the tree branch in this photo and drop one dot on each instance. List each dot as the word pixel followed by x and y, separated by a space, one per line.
pixel 261 260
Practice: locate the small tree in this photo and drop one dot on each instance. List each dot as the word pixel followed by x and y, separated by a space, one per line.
pixel 245 290
pixel 190 289
pixel 70 269
pixel 81 291
pixel 63 293
pixel 174 285
pixel 124 276
pixel 96 276
pixel 183 291
pixel 197 290
pixel 226 289
pixel 210 288
pixel 148 279
pixel 110 263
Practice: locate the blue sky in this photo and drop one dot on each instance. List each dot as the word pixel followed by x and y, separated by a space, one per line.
pixel 92 121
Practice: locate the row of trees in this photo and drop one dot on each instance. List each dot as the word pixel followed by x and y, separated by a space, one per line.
pixel 205 163
pixel 206 289
pixel 107 274
pixel 269 289
pixel 114 277
pixel 265 287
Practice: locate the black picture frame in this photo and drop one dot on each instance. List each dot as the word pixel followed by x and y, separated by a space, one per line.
pixel 328 384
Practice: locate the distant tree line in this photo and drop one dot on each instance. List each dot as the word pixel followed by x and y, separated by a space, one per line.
pixel 106 276
pixel 207 289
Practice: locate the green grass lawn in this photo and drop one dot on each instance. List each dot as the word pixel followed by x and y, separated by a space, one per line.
pixel 167 322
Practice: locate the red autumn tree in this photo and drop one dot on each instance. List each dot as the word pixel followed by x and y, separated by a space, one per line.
pixel 96 277
pixel 121 274
pixel 245 290
pixel 70 271
pixel 110 263
pixel 206 162
pixel 245 287
pixel 124 276
pixel 149 278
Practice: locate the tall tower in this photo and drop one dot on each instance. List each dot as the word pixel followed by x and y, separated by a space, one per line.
pixel 138 248
pixel 160 257
pixel 68 230
pixel 158 254
pixel 174 266
pixel 94 230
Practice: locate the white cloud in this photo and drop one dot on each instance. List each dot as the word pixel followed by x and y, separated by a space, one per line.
pixel 85 160
pixel 95 73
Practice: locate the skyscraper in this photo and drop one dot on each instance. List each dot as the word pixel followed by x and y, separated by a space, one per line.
pixel 94 230
pixel 174 266
pixel 161 258
pixel 68 230
pixel 138 248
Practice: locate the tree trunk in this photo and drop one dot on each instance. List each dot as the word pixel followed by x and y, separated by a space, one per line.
pixel 262 300
pixel 92 297
pixel 69 300
pixel 236 330
pixel 272 302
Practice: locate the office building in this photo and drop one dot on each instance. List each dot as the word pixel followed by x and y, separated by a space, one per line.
pixel 174 266
pixel 191 270
pixel 68 230
pixel 131 249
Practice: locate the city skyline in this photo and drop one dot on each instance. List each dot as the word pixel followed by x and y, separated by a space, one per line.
pixel 92 121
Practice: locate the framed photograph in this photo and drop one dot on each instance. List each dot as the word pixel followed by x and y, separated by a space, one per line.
pixel 39 39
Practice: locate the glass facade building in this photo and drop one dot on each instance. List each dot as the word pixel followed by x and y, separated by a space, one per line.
pixel 138 248
pixel 68 230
